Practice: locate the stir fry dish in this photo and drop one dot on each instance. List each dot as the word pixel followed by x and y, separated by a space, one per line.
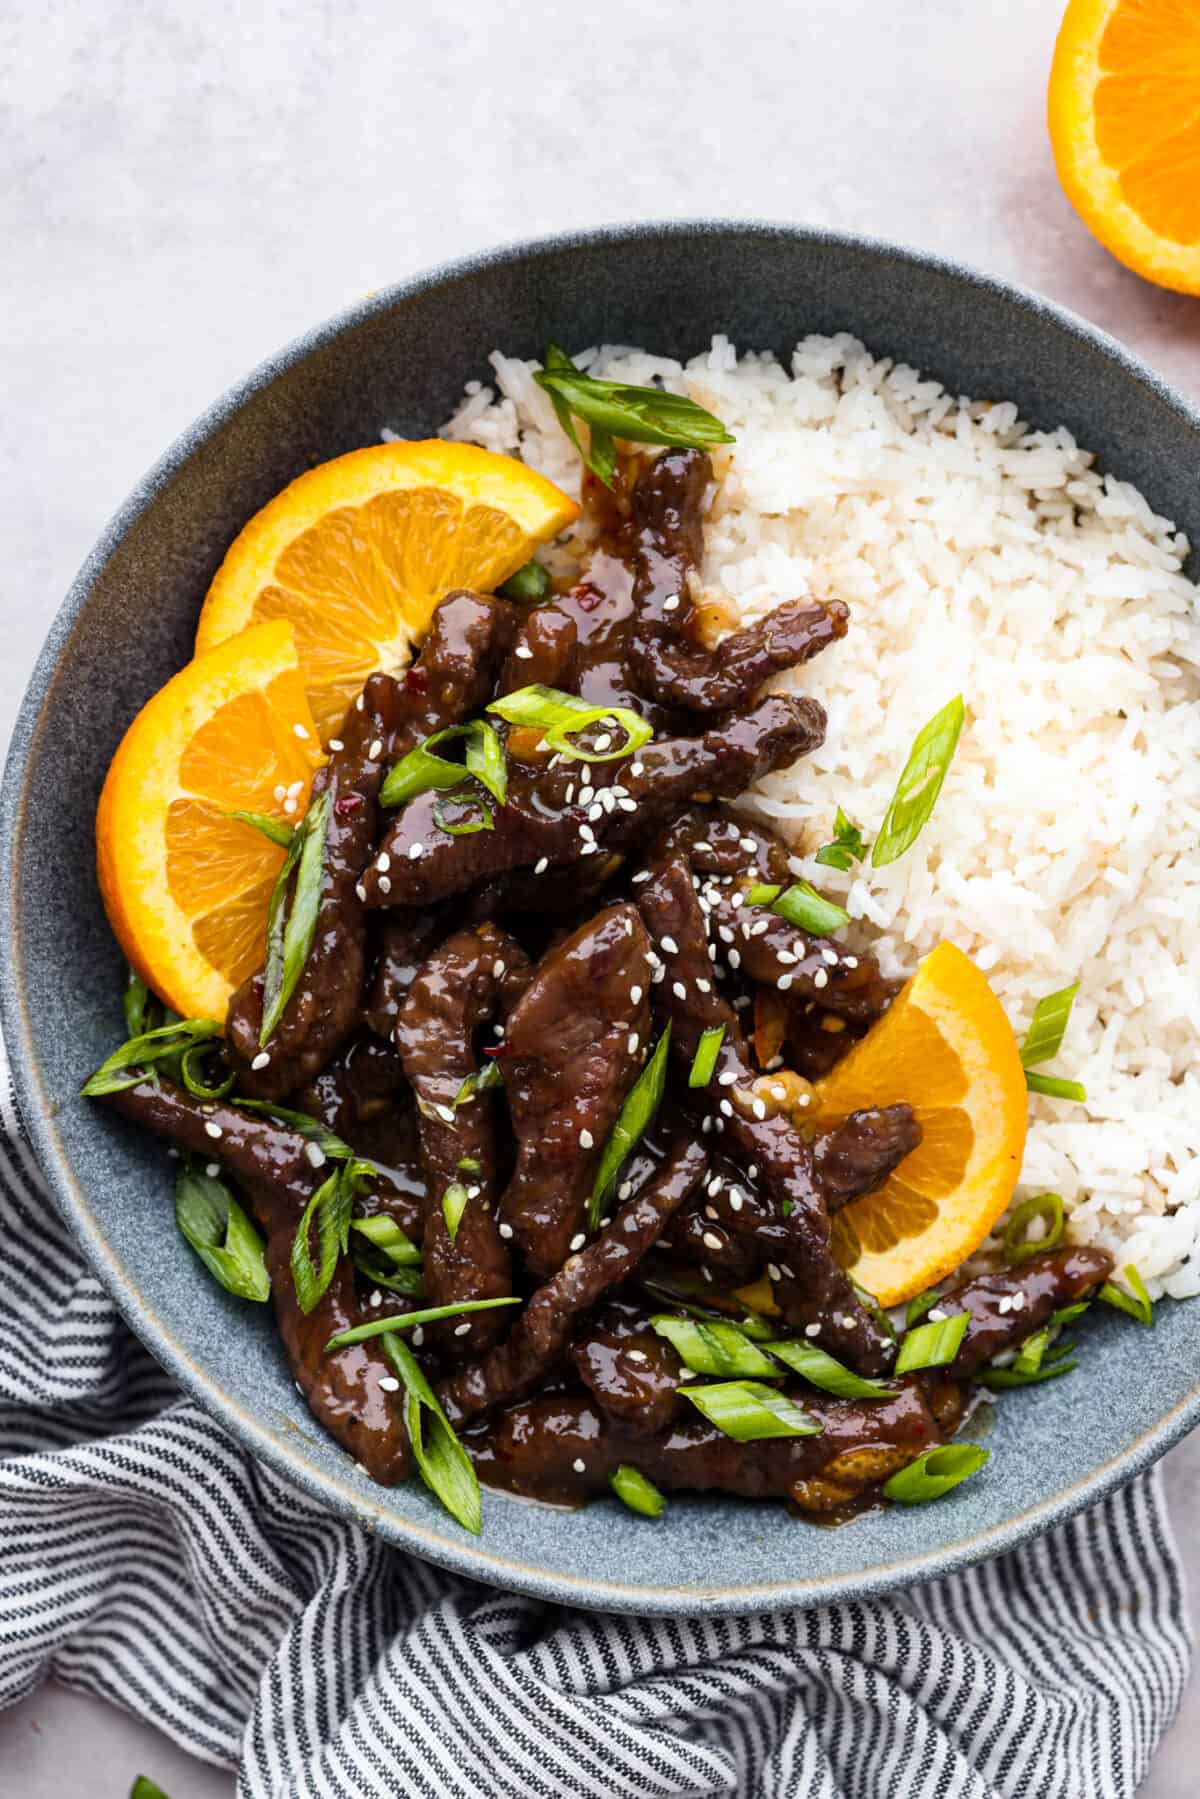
pixel 501 1049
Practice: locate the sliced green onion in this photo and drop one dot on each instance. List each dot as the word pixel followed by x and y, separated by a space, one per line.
pixel 1067 1314
pixel 825 1371
pixel 920 783
pixel 289 944
pixel 139 1005
pixel 847 845
pixel 329 1210
pixel 274 828
pixel 389 1238
pixel 445 1466
pixel 562 716
pixel 710 1347
pixel 529 585
pixel 1018 1244
pixel 1136 1303
pixel 634 1119
pixel 466 826
pixel 918 1307
pixel 705 1059
pixel 874 1310
pixel 213 1222
pixel 1029 1358
pixel 377 1327
pixel 935 1473
pixel 145 1789
pixel 195 1084
pixel 804 907
pixel 126 1066
pixel 763 893
pixel 483 1081
pixel 638 1493
pixel 1053 1088
pixel 423 772
pixel 999 1379
pixel 304 1124
pixel 932 1345
pixel 454 1204
pixel 616 409
pixel 1048 1026
pixel 749 1412
pixel 375 1267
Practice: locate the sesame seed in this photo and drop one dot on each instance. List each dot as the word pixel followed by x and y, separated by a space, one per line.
pixel 821 978
pixel 936 1315
pixel 638 1355
pixel 376 1298
pixel 850 962
pixel 670 603
pixel 724 933
pixel 702 985
pixel 388 1383
pixel 418 1336
pixel 498 969
pixel 642 875
pixel 706 1125
pixel 361 892
pixel 670 945
pixel 460 1330
pixel 358 704
pixel 785 956
pixel 728 1079
pixel 474 1192
pixel 759 1108
pixel 627 805
pixel 812 1330
pixel 706 1272
pixel 804 1099
pixel 301 731
pixel 335 743
pixel 637 769
pixel 577 1241
pixel 660 973
pixel 711 1212
pixel 587 833
pixel 445 1113
pixel 589 849
pixel 579 1465
pixel 632 1043
pixel 604 741
pixel 586 1140
pixel 711 1240
pixel 749 845
pixel 214 1130
pixel 416 851
pixel 624 1190
pixel 635 994
pixel 587 794
pixel 784 982
pixel 735 960
pixel 383 862
pixel 773 1273
pixel 752 1172
pixel 280 792
pixel 376 749
pixel 596 811
pixel 778 1093
pixel 315 1154
pixel 505 1231
pixel 541 865
pixel 289 807
pixel 759 926
pixel 714 1186
pixel 569 795
pixel 212 1170
pixel 523 652
pixel 679 990
pixel 726 1109
pixel 261 1060
pixel 1018 1304
pixel 385 884
pixel 735 1199
pixel 1005 1305
pixel 831 957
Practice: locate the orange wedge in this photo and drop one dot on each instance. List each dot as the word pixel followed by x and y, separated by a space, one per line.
pixel 947 1049
pixel 1124 116
pixel 185 886
pixel 356 554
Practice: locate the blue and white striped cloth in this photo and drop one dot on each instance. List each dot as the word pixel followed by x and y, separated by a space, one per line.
pixel 146 1558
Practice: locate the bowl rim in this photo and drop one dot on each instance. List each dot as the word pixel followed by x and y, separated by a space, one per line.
pixel 472 1557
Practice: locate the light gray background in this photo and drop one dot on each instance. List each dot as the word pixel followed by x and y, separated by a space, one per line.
pixel 184 187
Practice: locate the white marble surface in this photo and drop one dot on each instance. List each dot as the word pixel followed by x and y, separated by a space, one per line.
pixel 185 186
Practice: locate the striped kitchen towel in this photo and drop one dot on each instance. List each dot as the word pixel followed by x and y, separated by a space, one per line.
pixel 146 1558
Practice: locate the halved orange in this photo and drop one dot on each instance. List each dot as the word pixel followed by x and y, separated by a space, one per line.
pixel 356 554
pixel 184 885
pixel 1124 117
pixel 945 1048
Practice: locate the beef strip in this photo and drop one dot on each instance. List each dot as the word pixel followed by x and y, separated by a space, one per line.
pixel 363 1097
pixel 860 1153
pixel 540 1335
pixel 668 662
pixel 778 954
pixel 545 819
pixel 544 653
pixel 1043 1284
pixel 470 980
pixel 272 1163
pixel 816 1041
pixel 808 1285
pixel 572 1049
pixel 405 939
pixel 564 1448
pixel 631 1372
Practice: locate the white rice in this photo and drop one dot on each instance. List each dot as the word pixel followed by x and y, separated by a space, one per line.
pixel 981 557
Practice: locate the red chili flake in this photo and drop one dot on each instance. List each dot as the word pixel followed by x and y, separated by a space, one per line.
pixel 348 804
pixel 587 598
pixel 417 680
pixel 499 1052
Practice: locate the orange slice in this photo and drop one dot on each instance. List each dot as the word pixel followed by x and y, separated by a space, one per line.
pixel 1124 116
pixel 947 1049
pixel 184 885
pixel 356 554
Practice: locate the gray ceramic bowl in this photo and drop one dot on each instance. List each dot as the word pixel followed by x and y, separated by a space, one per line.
pixel 401 357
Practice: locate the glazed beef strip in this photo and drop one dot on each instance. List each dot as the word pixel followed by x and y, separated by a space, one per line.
pixel 632 1373
pixel 405 939
pixel 764 947
pixel 808 1285
pixel 363 1097
pixel 563 1448
pixel 540 1336
pixel 469 981
pixel 1029 1293
pixel 572 1049
pixel 545 819
pixel 858 1155
pixel 273 1164
pixel 815 1040
pixel 668 661
pixel 544 653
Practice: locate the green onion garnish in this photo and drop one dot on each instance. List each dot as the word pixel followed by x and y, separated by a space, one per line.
pixel 221 1234
pixel 329 1210
pixel 1067 1314
pixel 638 1493
pixel 932 1345
pixel 847 845
pixel 918 1306
pixel 1048 1026
pixel 705 1059
pixel 375 1267
pixel 874 1310
pixel 710 1347
pixel 1136 1303
pixel 1053 1088
pixel 190 1061
pixel 303 1124
pixel 1029 1359
pixel 139 1005
pixel 454 1204
pixel 615 409
pixel 378 1327
pixel 274 828
pixel 825 1371
pixel 145 1789
pixel 464 825
pixel 445 1466
pixel 127 1065
pixel 529 585
pixel 633 1120
pixel 562 716
pixel 389 1238
pixel 920 783
pixel 423 772
pixel 483 1081
pixel 763 893
pixel 749 1412
pixel 289 944
pixel 999 1379
pixel 809 911
pixel 935 1473
pixel 1018 1243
